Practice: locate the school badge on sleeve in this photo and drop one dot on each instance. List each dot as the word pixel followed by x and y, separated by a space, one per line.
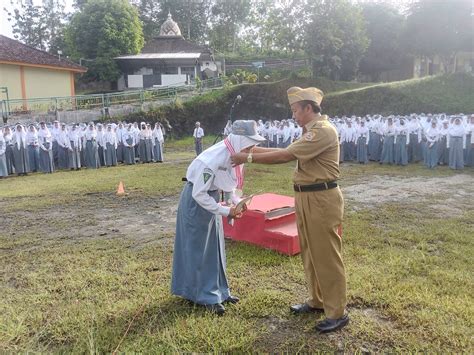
pixel 207 174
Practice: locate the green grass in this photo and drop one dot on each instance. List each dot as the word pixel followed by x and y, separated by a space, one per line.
pixel 449 94
pixel 409 271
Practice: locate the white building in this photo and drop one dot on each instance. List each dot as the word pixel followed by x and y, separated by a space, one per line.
pixel 168 59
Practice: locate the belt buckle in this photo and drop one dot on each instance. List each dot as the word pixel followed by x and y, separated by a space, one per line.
pixel 299 187
pixel 326 185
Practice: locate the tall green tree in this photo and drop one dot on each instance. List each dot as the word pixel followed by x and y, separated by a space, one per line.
pixel 228 18
pixel 103 30
pixel 441 28
pixel 41 25
pixel 385 26
pixel 336 38
pixel 284 27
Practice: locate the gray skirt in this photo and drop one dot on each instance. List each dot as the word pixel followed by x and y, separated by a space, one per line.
pixel 199 260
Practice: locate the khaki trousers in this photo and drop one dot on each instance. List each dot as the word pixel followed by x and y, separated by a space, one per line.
pixel 318 216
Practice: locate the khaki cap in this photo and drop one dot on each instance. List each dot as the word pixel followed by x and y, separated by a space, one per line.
pixel 296 94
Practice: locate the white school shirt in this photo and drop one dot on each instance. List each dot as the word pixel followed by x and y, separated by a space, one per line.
pixel 364 133
pixel 402 131
pixel 458 131
pixel 31 138
pixel 203 179
pixel 198 132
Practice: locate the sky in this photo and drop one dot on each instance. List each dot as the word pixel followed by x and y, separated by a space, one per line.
pixel 5 26
pixel 6 29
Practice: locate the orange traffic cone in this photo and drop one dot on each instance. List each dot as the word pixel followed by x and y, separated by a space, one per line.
pixel 120 189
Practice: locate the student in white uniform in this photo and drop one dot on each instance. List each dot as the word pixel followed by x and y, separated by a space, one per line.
pixel 33 148
pixel 75 147
pixel 432 138
pixel 199 254
pixel 63 147
pixel 3 159
pixel 46 149
pixel 456 142
pixel 198 134
pixel 110 140
pixel 363 140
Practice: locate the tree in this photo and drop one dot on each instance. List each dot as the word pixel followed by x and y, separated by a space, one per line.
pixel 284 28
pixel 335 38
pixel 385 26
pixel 103 30
pixel 40 26
pixel 440 28
pixel 228 17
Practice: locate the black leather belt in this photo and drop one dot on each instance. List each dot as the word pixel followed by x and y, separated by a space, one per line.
pixel 315 187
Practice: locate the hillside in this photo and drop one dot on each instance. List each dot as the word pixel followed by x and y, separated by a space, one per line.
pixel 449 94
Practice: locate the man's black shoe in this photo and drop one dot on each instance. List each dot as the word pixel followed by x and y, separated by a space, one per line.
pixel 330 325
pixel 232 299
pixel 305 308
pixel 217 308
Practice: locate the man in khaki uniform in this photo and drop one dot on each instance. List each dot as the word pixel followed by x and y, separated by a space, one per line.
pixel 319 205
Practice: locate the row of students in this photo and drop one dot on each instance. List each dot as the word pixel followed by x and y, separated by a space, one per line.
pixel 432 139
pixel 61 146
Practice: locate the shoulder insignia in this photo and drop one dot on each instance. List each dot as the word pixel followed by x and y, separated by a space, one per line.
pixel 207 174
pixel 309 136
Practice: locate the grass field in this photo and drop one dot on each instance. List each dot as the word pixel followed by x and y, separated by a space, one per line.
pixel 82 270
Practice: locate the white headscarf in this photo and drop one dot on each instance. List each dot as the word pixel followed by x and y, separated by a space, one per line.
pixel 20 137
pixel 217 158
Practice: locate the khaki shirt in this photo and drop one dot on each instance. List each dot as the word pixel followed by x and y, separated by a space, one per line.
pixel 317 152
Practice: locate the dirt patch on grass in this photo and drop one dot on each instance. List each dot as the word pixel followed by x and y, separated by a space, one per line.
pixel 448 196
pixel 141 221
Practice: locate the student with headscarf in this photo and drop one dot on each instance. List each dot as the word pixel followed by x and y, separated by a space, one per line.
pixel 33 148
pixel 199 263
pixel 129 145
pixel 55 132
pixel 149 143
pixel 469 145
pixel 414 148
pixel 136 130
pixel 91 148
pixel 432 138
pixel 101 144
pixel 119 131
pixel 46 149
pixel 388 156
pixel 63 147
pixel 3 159
pixel 348 136
pixel 363 140
pixel 110 140
pixel 142 136
pixel 402 140
pixel 8 137
pixel 158 140
pixel 456 140
pixel 443 150
pixel 75 147
pixel 20 152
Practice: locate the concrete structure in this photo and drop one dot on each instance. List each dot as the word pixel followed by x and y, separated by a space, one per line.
pixel 462 62
pixel 28 73
pixel 168 59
